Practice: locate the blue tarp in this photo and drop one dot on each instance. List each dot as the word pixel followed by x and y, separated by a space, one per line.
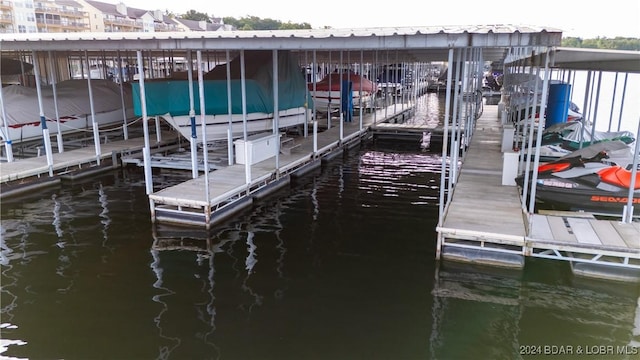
pixel 172 95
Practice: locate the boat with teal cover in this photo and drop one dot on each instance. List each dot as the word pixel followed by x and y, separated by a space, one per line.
pixel 169 98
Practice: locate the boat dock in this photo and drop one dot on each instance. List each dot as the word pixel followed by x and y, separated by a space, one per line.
pixel 483 218
pixel 485 224
pixel 233 188
pixel 30 173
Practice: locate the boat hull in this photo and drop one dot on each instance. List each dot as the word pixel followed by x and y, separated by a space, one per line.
pixel 329 101
pixel 594 201
pixel 326 94
pixel 217 126
pixel 68 125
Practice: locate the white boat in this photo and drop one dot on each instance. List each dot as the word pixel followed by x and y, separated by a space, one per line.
pixel 327 97
pixel 22 110
pixel 393 79
pixel 169 98
pixel 218 125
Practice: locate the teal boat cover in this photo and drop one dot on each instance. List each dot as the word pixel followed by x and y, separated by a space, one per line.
pixel 172 95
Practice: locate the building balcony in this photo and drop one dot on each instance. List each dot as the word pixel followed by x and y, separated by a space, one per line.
pixel 41 21
pixel 59 11
pixel 74 14
pixel 75 26
pixel 122 22
pixel 68 25
pixel 6 19
pixel 5 5
pixel 165 27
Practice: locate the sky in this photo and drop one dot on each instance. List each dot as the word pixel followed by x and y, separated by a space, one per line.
pixel 610 18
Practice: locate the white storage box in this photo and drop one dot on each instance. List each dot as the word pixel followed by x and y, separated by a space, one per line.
pixel 259 147
pixel 510 167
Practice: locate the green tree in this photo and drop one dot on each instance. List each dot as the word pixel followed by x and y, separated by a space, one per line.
pixel 195 15
pixel 291 26
pixel 256 23
pixel 617 43
pixel 573 42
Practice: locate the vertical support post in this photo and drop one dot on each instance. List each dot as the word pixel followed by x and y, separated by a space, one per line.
pixel 398 88
pixel 276 109
pixel 43 120
pixel 158 130
pixel 342 91
pixel 248 159
pixel 613 99
pixel 594 117
pixel 386 77
pixel 94 123
pixel 55 104
pixel 530 131
pixel 229 111
pixel 443 170
pixel 361 93
pixel 627 215
pixel 543 105
pixel 330 91
pixel 453 167
pixel 315 138
pixel 8 143
pixel 203 119
pixel 193 140
pixel 125 125
pixel 315 108
pixel 624 92
pixel 146 152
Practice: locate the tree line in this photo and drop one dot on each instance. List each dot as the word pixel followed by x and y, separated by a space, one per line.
pixel 256 23
pixel 617 43
pixel 247 22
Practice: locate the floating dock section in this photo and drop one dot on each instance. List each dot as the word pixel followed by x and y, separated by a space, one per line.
pixel 233 188
pixel 484 223
pixel 23 175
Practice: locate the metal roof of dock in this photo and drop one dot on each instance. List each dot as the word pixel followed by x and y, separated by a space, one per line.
pixel 422 44
pixel 589 59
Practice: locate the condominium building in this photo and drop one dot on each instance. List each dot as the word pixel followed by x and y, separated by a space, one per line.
pixel 30 16
pixel 60 16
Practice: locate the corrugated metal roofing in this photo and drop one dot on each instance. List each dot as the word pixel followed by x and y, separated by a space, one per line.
pixel 302 33
pixel 590 59
pixel 408 43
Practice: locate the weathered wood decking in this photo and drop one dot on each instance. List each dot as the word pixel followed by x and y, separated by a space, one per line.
pixel 187 202
pixel 73 159
pixel 485 216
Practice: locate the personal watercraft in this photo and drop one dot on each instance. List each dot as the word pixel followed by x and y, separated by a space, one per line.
pixel 596 179
pixel 562 139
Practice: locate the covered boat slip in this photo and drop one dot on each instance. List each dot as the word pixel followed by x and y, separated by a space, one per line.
pixel 16 173
pixel 483 220
pixel 232 188
pixel 485 223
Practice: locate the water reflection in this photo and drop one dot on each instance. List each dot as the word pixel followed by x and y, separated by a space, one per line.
pixel 202 247
pixel 339 265
pixel 508 310
pixel 208 249
pixel 429 110
pixel 395 174
pixel 43 239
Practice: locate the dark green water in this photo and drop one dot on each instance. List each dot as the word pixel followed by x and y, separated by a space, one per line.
pixel 338 266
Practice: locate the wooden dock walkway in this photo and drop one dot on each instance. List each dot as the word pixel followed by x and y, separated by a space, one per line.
pixel 485 222
pixel 17 175
pixel 186 203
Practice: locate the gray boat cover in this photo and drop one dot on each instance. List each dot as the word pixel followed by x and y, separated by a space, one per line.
pixel 21 103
